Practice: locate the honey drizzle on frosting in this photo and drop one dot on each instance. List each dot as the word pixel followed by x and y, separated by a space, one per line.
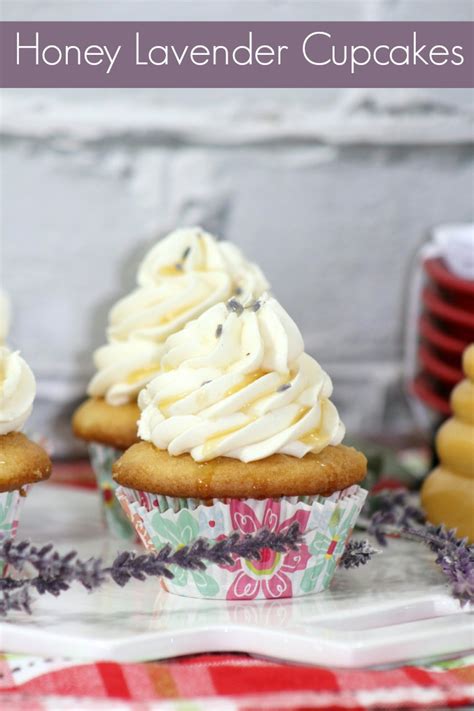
pixel 299 415
pixel 317 438
pixel 211 444
pixel 171 270
pixel 167 402
pixel 246 380
pixel 141 373
pixel 249 405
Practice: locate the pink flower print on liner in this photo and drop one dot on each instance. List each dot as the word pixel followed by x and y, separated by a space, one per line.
pixel 271 575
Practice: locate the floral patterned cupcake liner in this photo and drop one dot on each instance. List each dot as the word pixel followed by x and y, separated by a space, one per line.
pixel 102 458
pixel 326 524
pixel 10 502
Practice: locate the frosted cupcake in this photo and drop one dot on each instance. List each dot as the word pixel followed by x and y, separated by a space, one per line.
pixel 180 278
pixel 22 462
pixel 238 433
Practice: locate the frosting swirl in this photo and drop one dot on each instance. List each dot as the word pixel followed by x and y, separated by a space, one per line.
pixel 181 277
pixel 123 369
pixel 17 391
pixel 237 383
pixel 154 312
pixel 194 250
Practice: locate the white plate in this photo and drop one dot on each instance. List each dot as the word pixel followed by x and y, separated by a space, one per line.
pixel 393 610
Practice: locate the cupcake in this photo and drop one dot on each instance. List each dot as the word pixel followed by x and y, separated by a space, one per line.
pixel 181 277
pixel 239 433
pixel 22 462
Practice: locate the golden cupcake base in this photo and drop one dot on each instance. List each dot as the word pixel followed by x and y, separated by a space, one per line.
pixel 22 462
pixel 115 425
pixel 146 468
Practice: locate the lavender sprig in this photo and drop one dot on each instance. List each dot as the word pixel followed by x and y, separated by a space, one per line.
pixel 56 573
pixel 393 512
pixel 357 553
pixel 191 557
pixel 455 556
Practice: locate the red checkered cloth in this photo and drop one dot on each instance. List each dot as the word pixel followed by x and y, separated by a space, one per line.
pixel 228 683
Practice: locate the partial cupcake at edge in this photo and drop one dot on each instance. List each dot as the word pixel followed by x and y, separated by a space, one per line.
pixel 22 461
pixel 181 276
pixel 239 433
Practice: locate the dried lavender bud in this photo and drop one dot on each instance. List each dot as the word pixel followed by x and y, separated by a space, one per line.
pixel 20 600
pixel 238 291
pixel 255 306
pixel 357 553
pixel 219 331
pixel 235 306
pixel 284 387
pixel 441 537
pixel 178 266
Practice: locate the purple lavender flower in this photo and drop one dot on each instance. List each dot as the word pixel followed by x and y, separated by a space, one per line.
pixel 357 553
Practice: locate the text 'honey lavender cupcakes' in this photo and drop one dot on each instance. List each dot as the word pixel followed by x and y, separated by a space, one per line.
pixel 182 276
pixel 239 434
pixel 22 462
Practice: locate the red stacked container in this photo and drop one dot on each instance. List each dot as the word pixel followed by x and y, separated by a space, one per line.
pixel 446 327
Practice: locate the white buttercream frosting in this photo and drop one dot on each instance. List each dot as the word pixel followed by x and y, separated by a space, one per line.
pixel 236 382
pixel 181 277
pixel 194 250
pixel 123 369
pixel 155 312
pixel 17 391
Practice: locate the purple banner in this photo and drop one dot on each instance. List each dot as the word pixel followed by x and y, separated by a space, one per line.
pixel 236 54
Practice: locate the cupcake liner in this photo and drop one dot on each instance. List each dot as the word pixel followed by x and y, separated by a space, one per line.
pixel 326 524
pixel 10 502
pixel 102 458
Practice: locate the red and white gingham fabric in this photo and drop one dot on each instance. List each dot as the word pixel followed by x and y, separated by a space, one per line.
pixel 228 683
